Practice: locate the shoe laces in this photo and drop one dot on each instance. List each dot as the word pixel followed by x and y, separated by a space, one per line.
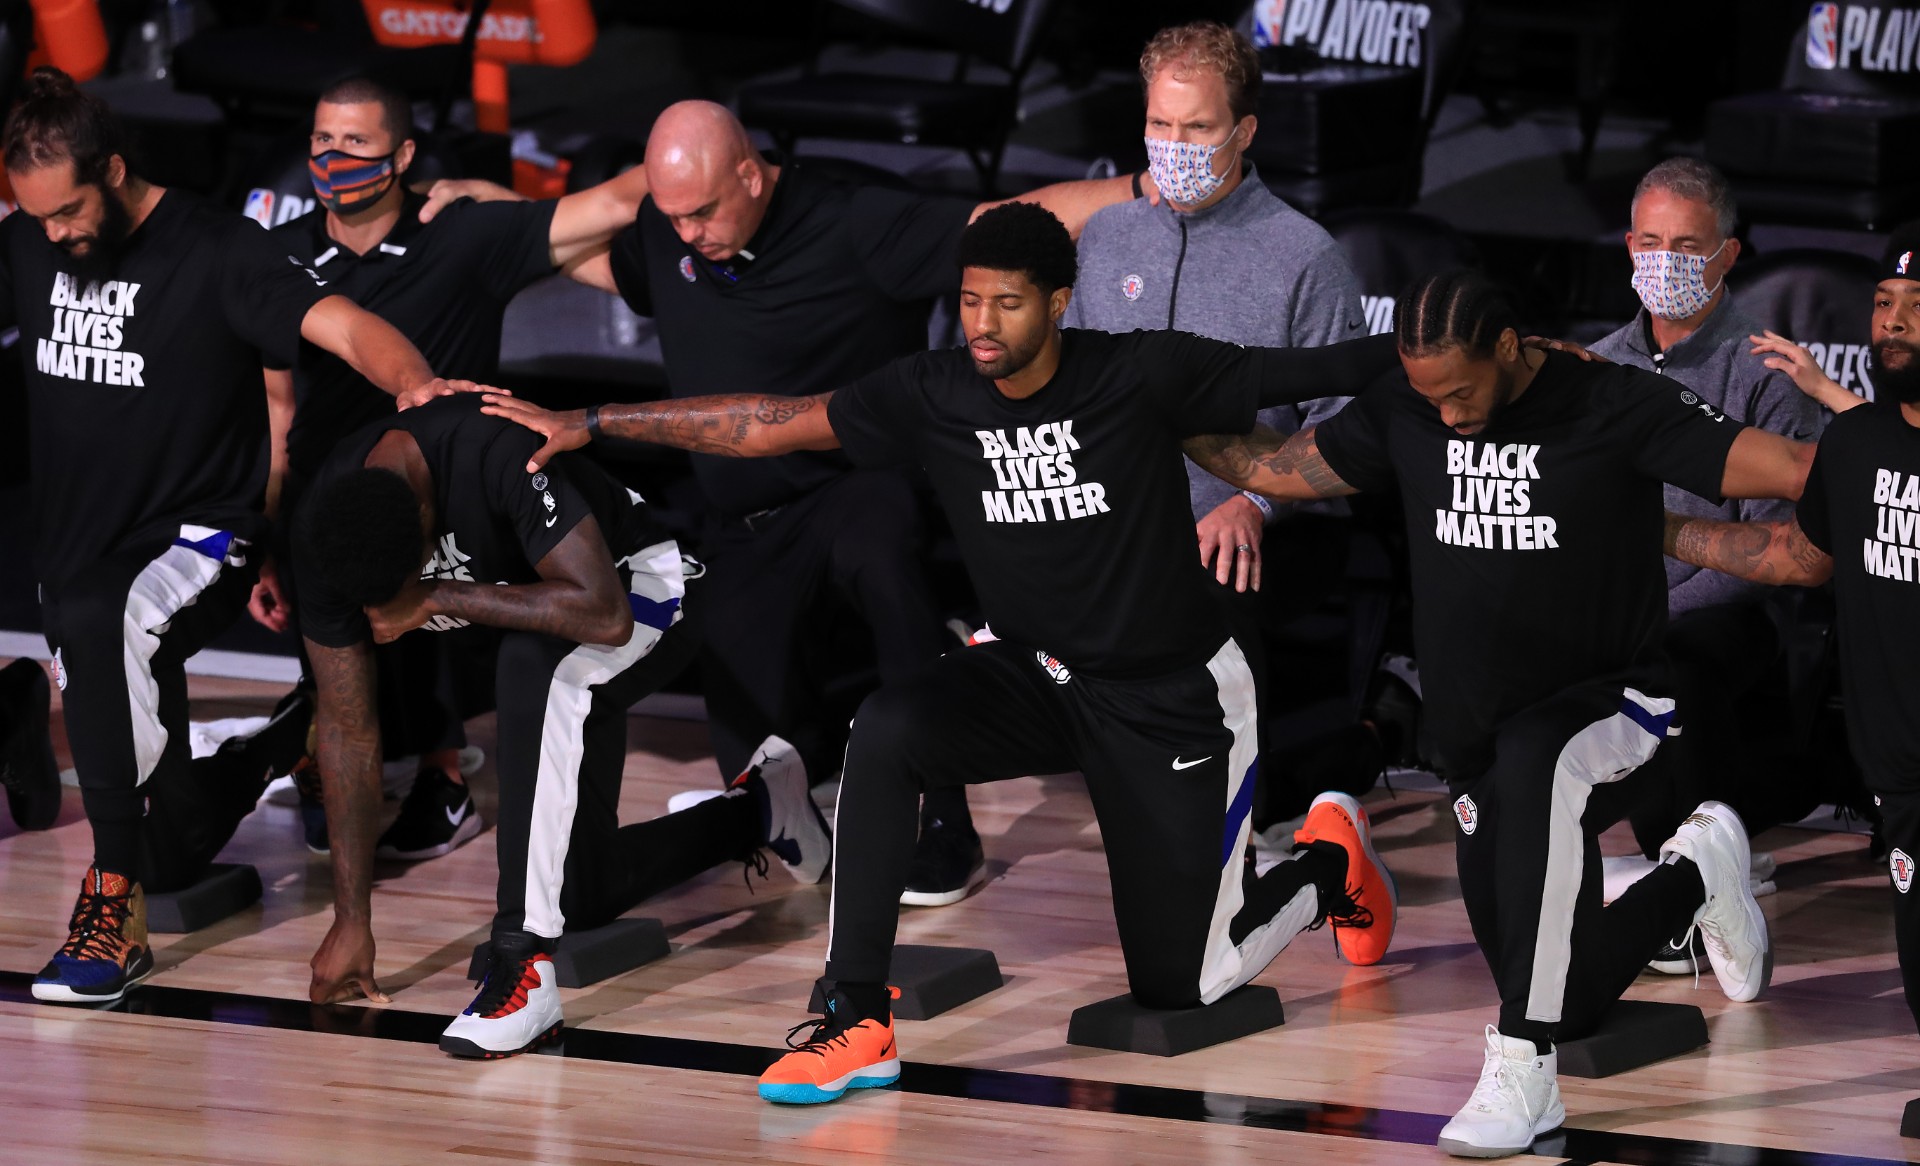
pixel 1685 943
pixel 1499 1081
pixel 95 932
pixel 1344 910
pixel 509 980
pixel 755 863
pixel 823 1032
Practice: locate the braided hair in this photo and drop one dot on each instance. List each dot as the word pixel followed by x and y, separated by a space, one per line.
pixel 1461 308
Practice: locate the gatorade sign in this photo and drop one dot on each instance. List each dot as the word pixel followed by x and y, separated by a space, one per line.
pixel 536 32
pixel 1372 32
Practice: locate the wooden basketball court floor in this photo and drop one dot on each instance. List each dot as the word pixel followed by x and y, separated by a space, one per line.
pixel 218 1059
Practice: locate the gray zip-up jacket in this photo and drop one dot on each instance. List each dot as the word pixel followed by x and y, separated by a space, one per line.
pixel 1249 270
pixel 1716 363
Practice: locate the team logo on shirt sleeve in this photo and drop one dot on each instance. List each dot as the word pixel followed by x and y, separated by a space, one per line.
pixel 1132 286
pixel 686 268
pixel 1901 867
pixel 1692 401
pixel 1466 814
pixel 1036 476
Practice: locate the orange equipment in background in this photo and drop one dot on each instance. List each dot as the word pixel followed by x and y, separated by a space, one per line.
pixel 513 32
pixel 69 35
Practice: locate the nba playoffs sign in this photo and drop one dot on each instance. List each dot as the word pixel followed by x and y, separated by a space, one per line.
pixel 1858 46
pixel 1371 32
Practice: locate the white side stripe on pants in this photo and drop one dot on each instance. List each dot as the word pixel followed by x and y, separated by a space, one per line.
pixel 1603 752
pixel 1226 965
pixel 659 583
pixel 163 589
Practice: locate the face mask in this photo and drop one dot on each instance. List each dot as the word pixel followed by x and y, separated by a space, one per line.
pixel 1184 170
pixel 1673 286
pixel 345 183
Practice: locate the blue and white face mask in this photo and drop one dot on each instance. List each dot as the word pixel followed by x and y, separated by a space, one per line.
pixel 1184 170
pixel 1672 284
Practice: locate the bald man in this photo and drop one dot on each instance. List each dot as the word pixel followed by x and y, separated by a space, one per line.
pixel 769 273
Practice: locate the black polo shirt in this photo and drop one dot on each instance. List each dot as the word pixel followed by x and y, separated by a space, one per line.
pixel 146 409
pixel 445 285
pixel 838 280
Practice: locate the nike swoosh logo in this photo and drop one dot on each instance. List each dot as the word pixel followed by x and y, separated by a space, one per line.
pixel 1179 764
pixel 551 521
pixel 455 817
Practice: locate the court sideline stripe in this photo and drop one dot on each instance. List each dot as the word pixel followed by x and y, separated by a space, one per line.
pixel 1582 1147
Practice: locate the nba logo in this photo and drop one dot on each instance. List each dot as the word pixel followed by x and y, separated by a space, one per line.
pixel 1900 268
pixel 1902 868
pixel 1823 28
pixel 260 206
pixel 1133 285
pixel 1467 814
pixel 1269 17
pixel 686 268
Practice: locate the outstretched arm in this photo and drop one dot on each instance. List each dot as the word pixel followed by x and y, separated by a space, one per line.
pixel 728 425
pixel 1279 466
pixel 377 351
pixel 1766 465
pixel 1765 552
pixel 1073 203
pixel 347 731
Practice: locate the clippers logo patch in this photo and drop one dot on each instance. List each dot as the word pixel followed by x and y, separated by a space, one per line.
pixel 1060 672
pixel 686 268
pixel 1901 867
pixel 1133 285
pixel 1467 814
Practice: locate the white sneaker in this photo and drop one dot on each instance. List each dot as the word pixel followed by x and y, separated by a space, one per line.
pixel 1730 920
pixel 517 1009
pixel 794 829
pixel 1516 1100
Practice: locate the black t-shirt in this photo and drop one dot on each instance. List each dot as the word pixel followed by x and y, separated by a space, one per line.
pixel 493 521
pixel 1536 543
pixel 1862 506
pixel 1071 505
pixel 445 285
pixel 146 405
pixel 841 281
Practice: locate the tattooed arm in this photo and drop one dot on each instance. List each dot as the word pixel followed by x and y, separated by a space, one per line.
pixel 729 425
pixel 1280 466
pixel 348 734
pixel 578 598
pixel 1765 552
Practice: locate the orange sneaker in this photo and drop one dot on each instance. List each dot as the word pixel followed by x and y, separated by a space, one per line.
pixel 1364 916
pixel 834 1058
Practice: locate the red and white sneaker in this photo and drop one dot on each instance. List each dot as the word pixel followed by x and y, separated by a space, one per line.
pixel 518 1008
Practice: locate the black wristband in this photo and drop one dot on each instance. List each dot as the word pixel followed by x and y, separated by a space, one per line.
pixel 593 422
pixel 1137 192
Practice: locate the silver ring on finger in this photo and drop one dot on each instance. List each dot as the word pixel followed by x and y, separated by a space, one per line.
pixel 1244 549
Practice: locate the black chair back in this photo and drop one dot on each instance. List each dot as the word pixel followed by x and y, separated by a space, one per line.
pixel 1388 249
pixel 1428 36
pixel 1819 299
pixel 1001 32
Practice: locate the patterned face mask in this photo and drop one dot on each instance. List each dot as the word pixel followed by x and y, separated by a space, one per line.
pixel 346 183
pixel 1673 285
pixel 1184 170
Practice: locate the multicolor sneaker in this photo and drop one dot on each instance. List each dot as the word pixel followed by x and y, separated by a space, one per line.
pixel 791 825
pixel 106 950
pixel 1363 923
pixel 437 816
pixel 518 1008
pixel 27 768
pixel 835 1057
